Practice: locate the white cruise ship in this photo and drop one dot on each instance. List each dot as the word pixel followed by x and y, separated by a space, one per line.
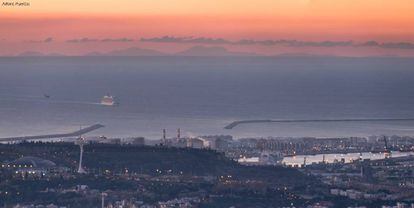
pixel 108 100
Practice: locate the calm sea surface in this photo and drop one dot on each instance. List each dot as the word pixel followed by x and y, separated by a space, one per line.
pixel 202 95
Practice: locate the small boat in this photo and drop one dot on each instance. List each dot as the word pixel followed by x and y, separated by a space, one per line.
pixel 108 100
pixel 46 96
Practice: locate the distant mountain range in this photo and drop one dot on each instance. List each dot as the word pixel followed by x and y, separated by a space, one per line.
pixel 212 51
pixel 35 53
pixel 196 51
pixel 135 51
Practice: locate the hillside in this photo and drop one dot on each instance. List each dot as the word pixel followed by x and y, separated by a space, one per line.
pixel 147 160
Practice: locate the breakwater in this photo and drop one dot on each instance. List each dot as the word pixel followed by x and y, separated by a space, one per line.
pixel 236 123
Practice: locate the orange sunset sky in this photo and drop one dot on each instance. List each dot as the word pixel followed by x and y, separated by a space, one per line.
pixel 53 26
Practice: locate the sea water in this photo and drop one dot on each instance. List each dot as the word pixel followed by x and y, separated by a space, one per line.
pixel 201 95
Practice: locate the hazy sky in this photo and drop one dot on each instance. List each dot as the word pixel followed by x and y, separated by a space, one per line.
pixel 25 28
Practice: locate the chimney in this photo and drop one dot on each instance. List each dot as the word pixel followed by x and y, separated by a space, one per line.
pixel 178 133
pixel 164 134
